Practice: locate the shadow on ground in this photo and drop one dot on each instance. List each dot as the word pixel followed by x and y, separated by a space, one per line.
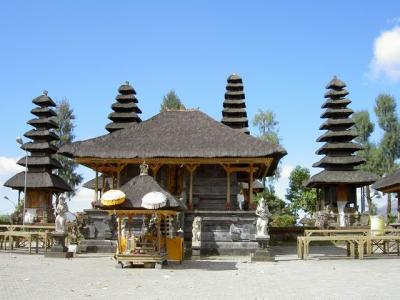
pixel 206 265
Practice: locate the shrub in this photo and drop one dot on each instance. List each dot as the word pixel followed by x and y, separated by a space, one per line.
pixel 283 221
pixel 5 219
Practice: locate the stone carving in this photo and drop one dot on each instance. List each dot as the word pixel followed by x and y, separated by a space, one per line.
pixel 234 232
pixel 196 232
pixel 262 221
pixel 61 219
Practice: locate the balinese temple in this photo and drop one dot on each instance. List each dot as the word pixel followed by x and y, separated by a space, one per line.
pixel 41 183
pixel 338 182
pixel 390 184
pixel 125 109
pixel 193 157
pixel 234 112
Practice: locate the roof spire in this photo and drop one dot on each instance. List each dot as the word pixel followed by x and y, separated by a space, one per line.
pixel 234 112
pixel 125 109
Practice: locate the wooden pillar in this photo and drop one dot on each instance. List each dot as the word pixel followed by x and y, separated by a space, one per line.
pixel 96 186
pixel 191 169
pixel 251 175
pixel 103 184
pixel 118 178
pixel 154 169
pixel 119 235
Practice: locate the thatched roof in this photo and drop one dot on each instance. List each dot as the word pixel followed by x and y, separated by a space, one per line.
pixel 340 135
pixel 91 184
pixel 336 123
pixel 389 183
pixel 335 83
pixel 38 180
pixel 175 134
pixel 338 160
pixel 339 147
pixel 353 177
pixel 329 103
pixel 40 161
pixel 44 100
pixel 138 186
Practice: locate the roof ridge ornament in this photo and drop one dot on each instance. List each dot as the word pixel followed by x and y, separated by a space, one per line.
pixel 45 92
pixel 144 168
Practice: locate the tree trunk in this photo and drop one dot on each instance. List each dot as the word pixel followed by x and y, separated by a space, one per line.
pixel 389 206
pixel 369 199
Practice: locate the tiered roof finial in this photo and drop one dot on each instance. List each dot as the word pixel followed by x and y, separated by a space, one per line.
pixel 125 109
pixel 234 113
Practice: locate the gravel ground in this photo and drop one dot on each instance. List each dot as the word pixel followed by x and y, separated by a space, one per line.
pixel 25 276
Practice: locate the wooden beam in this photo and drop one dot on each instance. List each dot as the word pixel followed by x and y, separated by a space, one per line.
pixel 191 168
pixel 90 161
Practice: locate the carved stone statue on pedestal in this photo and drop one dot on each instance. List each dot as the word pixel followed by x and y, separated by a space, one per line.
pixel 196 236
pixel 61 219
pixel 263 214
pixel 59 249
pixel 262 236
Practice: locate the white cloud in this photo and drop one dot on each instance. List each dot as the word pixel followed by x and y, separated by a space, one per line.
pixel 9 167
pixel 286 170
pixel 386 60
pixel 82 200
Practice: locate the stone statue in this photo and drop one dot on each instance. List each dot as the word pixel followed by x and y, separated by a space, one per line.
pixel 262 221
pixel 61 219
pixel 196 232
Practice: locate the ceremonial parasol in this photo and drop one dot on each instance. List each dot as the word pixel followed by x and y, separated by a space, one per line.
pixel 154 200
pixel 112 197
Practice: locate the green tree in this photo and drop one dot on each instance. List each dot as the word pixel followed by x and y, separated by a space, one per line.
pixel 370 152
pixel 267 124
pixel 299 196
pixel 385 110
pixel 171 101
pixel 65 118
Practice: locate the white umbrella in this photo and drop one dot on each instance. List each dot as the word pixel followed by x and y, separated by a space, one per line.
pixel 154 200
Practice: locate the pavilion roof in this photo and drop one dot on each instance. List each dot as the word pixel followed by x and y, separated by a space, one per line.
pixel 175 134
pixel 136 188
pixel 35 180
pixel 388 183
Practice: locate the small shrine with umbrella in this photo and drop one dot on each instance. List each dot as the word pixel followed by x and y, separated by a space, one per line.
pixel 146 215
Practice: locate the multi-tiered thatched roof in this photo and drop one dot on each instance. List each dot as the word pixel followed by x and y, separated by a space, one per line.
pixel 339 161
pixel 234 113
pixel 125 109
pixel 40 161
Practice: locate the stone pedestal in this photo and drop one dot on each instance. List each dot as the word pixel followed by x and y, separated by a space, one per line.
pixel 58 250
pixel 262 253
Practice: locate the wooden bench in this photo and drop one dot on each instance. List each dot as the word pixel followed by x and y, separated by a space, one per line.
pixel 303 244
pixel 362 237
pixel 27 233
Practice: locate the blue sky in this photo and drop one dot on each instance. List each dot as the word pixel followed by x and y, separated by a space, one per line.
pixel 285 51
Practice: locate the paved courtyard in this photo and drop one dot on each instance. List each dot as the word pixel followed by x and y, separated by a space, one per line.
pixel 25 276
